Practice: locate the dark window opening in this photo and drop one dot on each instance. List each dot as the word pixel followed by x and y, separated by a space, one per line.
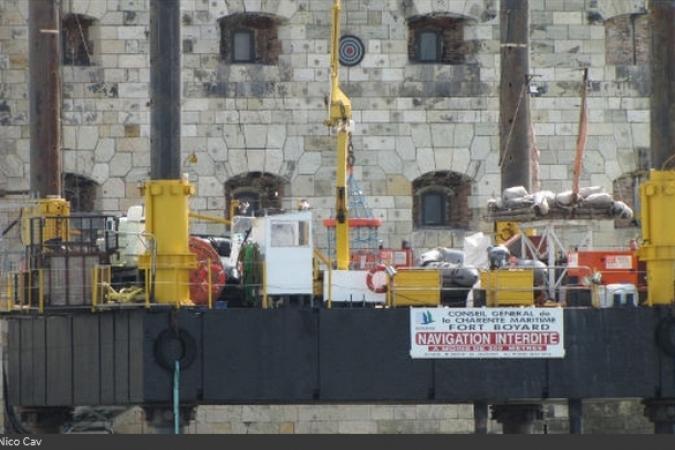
pixel 77 46
pixel 249 38
pixel 80 192
pixel 243 46
pixel 437 40
pixel 249 202
pixel 430 46
pixel 262 192
pixel 441 199
pixel 433 208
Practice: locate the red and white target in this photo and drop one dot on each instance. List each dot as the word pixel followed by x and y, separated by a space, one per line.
pixel 351 50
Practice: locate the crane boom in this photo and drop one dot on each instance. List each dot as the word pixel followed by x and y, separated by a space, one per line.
pixel 339 117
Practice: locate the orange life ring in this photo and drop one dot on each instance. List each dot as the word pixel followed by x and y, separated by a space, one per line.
pixel 381 289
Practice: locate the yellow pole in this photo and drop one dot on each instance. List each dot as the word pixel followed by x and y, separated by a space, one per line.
pixel 341 207
pixel 339 116
pixel 41 294
pixel 208 261
pixel 10 292
pixel 147 288
pixel 94 288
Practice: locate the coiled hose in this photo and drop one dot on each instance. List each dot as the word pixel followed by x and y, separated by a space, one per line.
pixel 251 266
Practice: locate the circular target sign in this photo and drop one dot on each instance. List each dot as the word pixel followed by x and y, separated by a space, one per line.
pixel 351 50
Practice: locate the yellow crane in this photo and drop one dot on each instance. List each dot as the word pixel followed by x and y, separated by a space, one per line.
pixel 339 117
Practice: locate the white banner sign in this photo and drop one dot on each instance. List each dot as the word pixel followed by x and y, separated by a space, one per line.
pixel 486 333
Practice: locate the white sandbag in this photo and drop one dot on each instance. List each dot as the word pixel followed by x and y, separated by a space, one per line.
pixel 564 198
pixel 541 207
pixel 541 204
pixel 589 190
pixel 621 210
pixel 494 204
pixel 514 192
pixel 601 200
pixel 520 202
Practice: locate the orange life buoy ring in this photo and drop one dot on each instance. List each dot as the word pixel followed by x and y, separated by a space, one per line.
pixel 382 288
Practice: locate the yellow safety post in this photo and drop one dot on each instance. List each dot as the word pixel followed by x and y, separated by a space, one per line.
pixel 41 294
pixel 94 288
pixel 658 240
pixel 146 277
pixel 10 292
pixel 208 261
pixel 166 219
pixel 339 117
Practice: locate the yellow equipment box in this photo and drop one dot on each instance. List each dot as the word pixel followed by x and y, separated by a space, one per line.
pixel 416 287
pixel 508 287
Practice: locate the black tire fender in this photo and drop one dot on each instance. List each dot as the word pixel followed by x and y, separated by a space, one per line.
pixel 164 343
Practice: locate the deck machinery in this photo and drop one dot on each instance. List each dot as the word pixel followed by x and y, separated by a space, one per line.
pixel 61 357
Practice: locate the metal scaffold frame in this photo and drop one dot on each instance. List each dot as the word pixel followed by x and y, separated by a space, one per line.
pixel 551 245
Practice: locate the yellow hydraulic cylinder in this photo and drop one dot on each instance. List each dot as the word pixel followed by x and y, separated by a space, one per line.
pixel 166 220
pixel 658 248
pixel 341 207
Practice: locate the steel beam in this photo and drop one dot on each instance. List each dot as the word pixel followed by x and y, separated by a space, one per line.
pixel 165 89
pixel 514 107
pixel 45 98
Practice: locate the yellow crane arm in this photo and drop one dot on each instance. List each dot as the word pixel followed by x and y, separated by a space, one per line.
pixel 339 116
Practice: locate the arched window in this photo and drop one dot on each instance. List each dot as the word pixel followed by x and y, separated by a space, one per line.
pixel 441 200
pixel 80 192
pixel 261 191
pixel 436 39
pixel 249 38
pixel 77 45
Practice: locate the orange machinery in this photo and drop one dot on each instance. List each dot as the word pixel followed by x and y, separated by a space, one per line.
pixel 615 266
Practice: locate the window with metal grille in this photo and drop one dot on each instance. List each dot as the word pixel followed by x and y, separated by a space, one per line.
pixel 77 47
